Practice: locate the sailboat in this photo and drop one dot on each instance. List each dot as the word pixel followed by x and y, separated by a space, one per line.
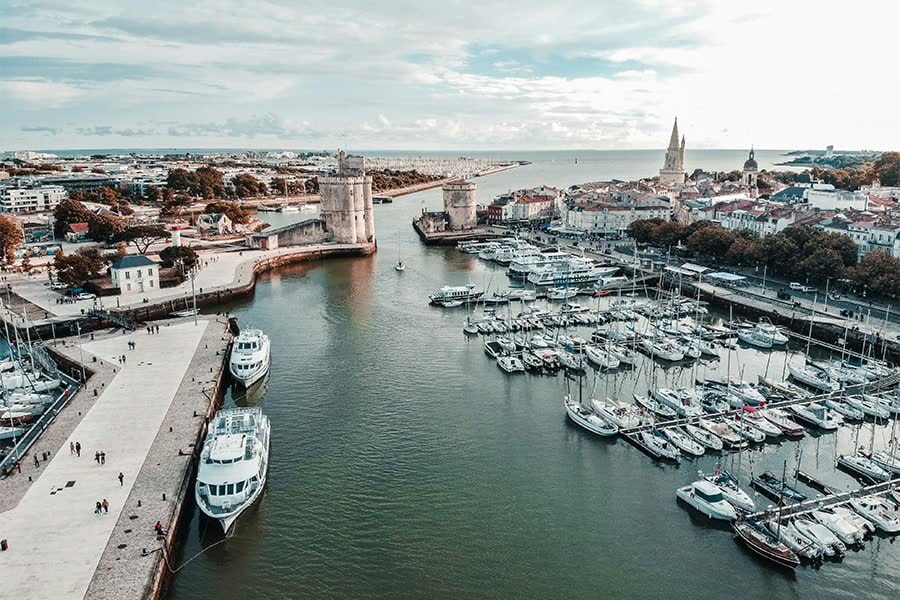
pixel 399 267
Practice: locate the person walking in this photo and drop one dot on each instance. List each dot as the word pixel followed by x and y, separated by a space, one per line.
pixel 37 463
pixel 71 448
pixel 103 458
pixel 105 506
pixel 78 449
pixel 97 457
pixel 121 479
pixel 97 508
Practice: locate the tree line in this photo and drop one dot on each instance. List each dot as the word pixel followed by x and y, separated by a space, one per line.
pixel 798 253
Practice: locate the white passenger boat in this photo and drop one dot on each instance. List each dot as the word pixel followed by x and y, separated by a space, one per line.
pixel 233 464
pixel 708 499
pixel 562 293
pixel 624 415
pixel 588 419
pixel 576 271
pixel 813 377
pixel 817 415
pixel 448 293
pixel 884 514
pixel 511 364
pixel 250 357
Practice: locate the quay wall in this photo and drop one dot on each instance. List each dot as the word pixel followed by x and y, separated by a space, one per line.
pixel 451 238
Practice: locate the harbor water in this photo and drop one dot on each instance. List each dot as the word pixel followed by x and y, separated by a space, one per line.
pixel 405 464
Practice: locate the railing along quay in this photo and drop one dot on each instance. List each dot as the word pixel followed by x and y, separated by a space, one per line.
pixel 812 504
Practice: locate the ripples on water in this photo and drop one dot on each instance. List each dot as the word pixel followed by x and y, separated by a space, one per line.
pixel 405 464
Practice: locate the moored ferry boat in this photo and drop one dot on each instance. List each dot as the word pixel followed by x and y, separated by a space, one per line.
pixel 250 357
pixel 233 464
pixel 448 293
pixel 573 272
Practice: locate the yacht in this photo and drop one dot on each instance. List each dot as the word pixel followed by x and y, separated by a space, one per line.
pixel 849 413
pixel 655 407
pixel 521 267
pixel 708 499
pixel 507 255
pixel 723 432
pixel 709 440
pixel 511 364
pixel 773 487
pixel 573 272
pixel 757 419
pixel 869 405
pixel 731 489
pixel 233 464
pixel 818 415
pixel 658 446
pixel 250 357
pixel 813 377
pixel 863 466
pixel 625 355
pixel 682 402
pixel 464 293
pixel 844 530
pixel 762 542
pixel 780 419
pixel 767 330
pixel 601 357
pixel 683 441
pixel 588 419
pixel 624 415
pixel 820 535
pixel 793 539
pixel 661 348
pixel 885 515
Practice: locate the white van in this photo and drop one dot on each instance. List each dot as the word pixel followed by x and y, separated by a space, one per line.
pixel 796 286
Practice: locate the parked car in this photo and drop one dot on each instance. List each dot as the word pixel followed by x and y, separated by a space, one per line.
pixel 796 286
pixel 85 296
pixel 808 289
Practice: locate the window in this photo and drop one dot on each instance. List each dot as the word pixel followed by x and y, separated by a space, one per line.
pixel 230 488
pixel 239 487
pixel 139 273
pixel 128 287
pixel 222 490
pixel 151 283
pixel 149 271
pixel 212 490
pixel 127 274
pixel 711 498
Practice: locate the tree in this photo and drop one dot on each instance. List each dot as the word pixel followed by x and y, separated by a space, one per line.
pixel 641 231
pixel 233 210
pixel 668 233
pixel 887 169
pixel 67 212
pixel 711 241
pixel 11 238
pixel 247 186
pixel 77 268
pixel 104 229
pixel 880 271
pixel 174 254
pixel 821 264
pixel 142 236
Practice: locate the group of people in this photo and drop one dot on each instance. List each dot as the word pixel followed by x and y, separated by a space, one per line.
pixel 101 508
pixel 151 329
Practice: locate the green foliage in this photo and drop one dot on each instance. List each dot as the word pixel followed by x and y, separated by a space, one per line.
pixel 233 210
pixel 711 242
pixel 248 186
pixel 887 168
pixel 75 269
pixel 880 271
pixel 206 182
pixel 172 254
pixel 142 236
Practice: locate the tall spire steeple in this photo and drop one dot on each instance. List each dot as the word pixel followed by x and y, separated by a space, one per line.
pixel 673 142
pixel 673 167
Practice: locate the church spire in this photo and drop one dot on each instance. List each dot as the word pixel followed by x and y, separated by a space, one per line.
pixel 673 142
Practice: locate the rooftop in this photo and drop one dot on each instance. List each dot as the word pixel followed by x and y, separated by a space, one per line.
pixel 132 261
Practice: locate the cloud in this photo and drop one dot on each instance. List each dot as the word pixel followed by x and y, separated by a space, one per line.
pixel 42 129
pixel 106 130
pixel 268 125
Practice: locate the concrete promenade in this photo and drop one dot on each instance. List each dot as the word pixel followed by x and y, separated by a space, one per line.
pixel 55 540
pixel 219 271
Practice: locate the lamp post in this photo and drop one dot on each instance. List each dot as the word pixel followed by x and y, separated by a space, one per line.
pixel 827 282
pixel 80 351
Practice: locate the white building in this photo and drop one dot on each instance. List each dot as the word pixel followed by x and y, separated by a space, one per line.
pixel 31 199
pixel 611 219
pixel 824 196
pixel 134 275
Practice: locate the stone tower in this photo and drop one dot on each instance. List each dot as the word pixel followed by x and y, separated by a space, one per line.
pixel 749 176
pixel 459 204
pixel 673 167
pixel 346 202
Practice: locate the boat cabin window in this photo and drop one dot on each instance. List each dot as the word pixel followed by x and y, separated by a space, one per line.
pixel 230 488
pixel 711 498
pixel 239 486
pixel 222 490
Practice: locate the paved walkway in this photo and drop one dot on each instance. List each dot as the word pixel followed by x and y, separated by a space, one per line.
pixel 55 539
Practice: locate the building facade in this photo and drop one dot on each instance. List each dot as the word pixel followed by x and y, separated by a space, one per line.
pixel 346 202
pixel 28 199
pixel 134 275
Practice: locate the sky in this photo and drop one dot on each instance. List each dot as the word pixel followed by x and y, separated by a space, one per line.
pixel 447 75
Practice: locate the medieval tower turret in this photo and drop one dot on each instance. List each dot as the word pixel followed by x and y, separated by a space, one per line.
pixel 346 198
pixel 460 204
pixel 673 167
pixel 750 175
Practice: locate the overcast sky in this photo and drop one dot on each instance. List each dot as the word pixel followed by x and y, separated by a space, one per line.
pixel 446 74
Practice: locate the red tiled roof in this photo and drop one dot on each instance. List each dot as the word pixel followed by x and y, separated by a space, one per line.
pixel 78 227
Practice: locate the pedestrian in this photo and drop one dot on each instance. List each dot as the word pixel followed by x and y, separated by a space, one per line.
pixel 121 480
pixel 37 463
pixel 71 448
pixel 97 508
pixel 105 506
pixel 158 528
pixel 97 457
pixel 103 458
pixel 157 329
pixel 78 448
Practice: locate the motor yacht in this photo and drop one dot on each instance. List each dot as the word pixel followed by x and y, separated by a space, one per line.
pixel 250 357
pixel 817 415
pixel 731 489
pixel 707 498
pixel 463 293
pixel 511 364
pixel 820 535
pixel 729 438
pixel 843 529
pixel 233 464
pixel 754 338
pixel 757 419
pixel 813 377
pixel 683 402
pixel 883 514
pixel 793 539
pixel 863 466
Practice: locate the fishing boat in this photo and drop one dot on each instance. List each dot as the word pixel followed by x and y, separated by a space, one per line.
pixel 780 419
pixel 655 407
pixel 702 436
pixel 773 487
pixel 813 377
pixel 588 419
pixel 683 441
pixel 510 364
pixel 817 415
pixel 860 465
pixel 707 498
pixel 233 464
pixel 625 416
pixel 250 357
pixel 758 539
pixel 731 489
pixel 883 514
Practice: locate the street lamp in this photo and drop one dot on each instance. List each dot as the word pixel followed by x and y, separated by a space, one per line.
pixel 827 282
